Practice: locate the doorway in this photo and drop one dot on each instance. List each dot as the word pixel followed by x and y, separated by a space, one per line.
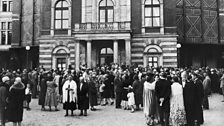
pixel 106 56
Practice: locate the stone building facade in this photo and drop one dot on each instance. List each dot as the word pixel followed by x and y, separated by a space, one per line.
pixel 99 32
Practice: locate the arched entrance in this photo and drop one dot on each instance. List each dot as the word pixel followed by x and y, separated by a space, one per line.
pixel 61 58
pixel 153 56
pixel 106 56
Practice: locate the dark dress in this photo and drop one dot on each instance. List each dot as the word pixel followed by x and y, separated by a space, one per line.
pixel 15 107
pixel 43 90
pixel 83 98
pixel 118 89
pixel 137 89
pixel 107 89
pixel 126 84
pixel 199 94
pixel 92 93
pixel 189 101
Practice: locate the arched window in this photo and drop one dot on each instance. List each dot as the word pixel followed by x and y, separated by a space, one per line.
pixel 106 51
pixel 106 11
pixel 152 13
pixel 61 15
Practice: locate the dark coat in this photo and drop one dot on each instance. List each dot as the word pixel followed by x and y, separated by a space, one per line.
pixel 92 93
pixel 125 83
pixel 189 101
pixel 43 90
pixel 16 98
pixel 138 91
pixel 83 96
pixel 107 89
pixel 4 92
pixel 118 85
pixel 163 90
pixel 199 94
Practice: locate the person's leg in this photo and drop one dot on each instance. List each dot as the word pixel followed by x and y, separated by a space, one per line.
pixel 167 114
pixel 81 112
pixel 72 114
pixel 85 112
pixel 14 123
pixel 66 114
pixel 132 108
pixel 19 123
pixel 49 108
pixel 56 108
pixel 161 115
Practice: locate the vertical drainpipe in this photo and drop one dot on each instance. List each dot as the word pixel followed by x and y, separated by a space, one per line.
pixel 21 21
pixel 34 4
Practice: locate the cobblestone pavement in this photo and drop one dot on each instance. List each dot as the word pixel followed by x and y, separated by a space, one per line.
pixel 109 116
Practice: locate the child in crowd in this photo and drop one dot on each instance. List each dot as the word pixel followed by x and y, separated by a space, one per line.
pixel 131 99
pixel 28 96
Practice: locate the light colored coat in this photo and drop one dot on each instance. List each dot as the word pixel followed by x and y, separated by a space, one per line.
pixel 72 93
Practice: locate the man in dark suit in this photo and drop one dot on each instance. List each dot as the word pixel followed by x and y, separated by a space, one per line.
pixel 118 90
pixel 163 90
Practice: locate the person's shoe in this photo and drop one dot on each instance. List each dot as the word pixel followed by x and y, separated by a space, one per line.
pixel 56 109
pixel 81 114
pixel 85 114
pixel 111 103
pixel 66 115
pixel 132 111
pixel 118 107
pixel 28 109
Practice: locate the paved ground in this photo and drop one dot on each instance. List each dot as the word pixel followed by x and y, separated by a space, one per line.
pixel 109 116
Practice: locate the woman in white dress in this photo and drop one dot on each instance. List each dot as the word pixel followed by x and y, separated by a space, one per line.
pixel 149 100
pixel 177 110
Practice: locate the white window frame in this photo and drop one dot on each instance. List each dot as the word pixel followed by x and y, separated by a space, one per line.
pixel 161 18
pixel 54 2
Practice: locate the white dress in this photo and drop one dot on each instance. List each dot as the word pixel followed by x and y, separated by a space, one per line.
pixel 177 110
pixel 131 98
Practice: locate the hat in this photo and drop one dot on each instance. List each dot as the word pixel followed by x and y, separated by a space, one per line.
pixel 4 79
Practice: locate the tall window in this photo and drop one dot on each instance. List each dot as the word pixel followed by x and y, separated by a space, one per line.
pixel 10 5
pixel 106 11
pixel 6 6
pixel 6 33
pixel 152 13
pixel 61 15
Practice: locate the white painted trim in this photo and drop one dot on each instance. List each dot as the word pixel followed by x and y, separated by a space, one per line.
pixel 153 46
pixel 60 47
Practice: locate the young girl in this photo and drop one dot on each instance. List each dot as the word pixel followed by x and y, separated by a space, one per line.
pixel 28 96
pixel 131 99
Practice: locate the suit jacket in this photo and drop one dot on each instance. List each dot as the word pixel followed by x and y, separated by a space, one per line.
pixel 163 90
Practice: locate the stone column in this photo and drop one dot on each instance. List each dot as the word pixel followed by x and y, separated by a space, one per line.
pixel 115 51
pixel 89 51
pixel 77 55
pixel 128 52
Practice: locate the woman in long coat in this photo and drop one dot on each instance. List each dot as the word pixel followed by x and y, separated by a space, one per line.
pixel 83 97
pixel 149 100
pixel 51 94
pixel 137 88
pixel 43 90
pixel 189 100
pixel 16 98
pixel 92 93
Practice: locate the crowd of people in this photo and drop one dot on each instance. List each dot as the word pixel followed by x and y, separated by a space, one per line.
pixel 169 96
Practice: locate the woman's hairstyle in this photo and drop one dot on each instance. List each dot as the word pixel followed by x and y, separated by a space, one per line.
pixel 175 79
